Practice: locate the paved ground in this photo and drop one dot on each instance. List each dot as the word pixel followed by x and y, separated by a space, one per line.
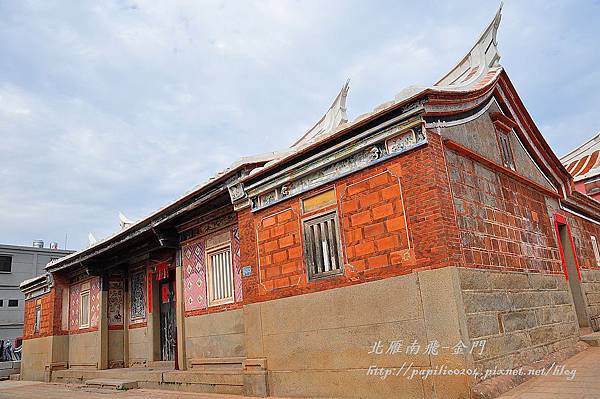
pixel 584 385
pixel 38 390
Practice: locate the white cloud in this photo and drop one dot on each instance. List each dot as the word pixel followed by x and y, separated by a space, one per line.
pixel 125 105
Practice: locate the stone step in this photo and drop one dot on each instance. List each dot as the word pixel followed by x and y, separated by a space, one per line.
pixel 592 339
pixel 15 377
pixel 209 363
pixel 161 365
pixel 111 383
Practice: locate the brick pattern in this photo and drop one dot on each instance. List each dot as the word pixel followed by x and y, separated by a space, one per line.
pixel 522 317
pixel 51 304
pixel 280 249
pixel 374 223
pixel 503 224
pixel 380 237
pixel 47 303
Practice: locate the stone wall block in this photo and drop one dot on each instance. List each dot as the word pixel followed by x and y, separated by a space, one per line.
pixel 561 297
pixel 515 321
pixel 481 325
pixel 503 344
pixel 471 279
pixel 509 281
pixel 543 282
pixel 529 299
pixel 486 301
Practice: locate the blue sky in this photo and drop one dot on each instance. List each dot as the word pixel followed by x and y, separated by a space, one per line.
pixel 124 105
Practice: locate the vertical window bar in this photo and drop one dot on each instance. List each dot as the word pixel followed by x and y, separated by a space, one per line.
pixel 325 246
pixel 318 251
pixel 332 246
pixel 229 268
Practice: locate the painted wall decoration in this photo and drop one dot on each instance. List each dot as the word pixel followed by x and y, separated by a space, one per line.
pixel 74 302
pixel 94 301
pixel 138 302
pixel 194 283
pixel 74 306
pixel 237 267
pixel 115 303
pixel 193 258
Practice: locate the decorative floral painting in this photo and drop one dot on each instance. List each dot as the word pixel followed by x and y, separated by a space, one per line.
pixel 138 302
pixel 115 303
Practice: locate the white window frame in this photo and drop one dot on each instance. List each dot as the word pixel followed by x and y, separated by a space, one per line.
pixel 82 293
pixel 209 276
pixel 596 251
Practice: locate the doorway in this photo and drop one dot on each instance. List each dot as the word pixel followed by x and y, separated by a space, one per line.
pixel 571 269
pixel 168 327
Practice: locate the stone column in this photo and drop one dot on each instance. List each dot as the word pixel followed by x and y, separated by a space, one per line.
pixel 126 307
pixel 103 324
pixel 180 313
pixel 153 319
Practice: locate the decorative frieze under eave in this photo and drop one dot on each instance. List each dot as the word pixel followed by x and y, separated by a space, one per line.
pixel 37 286
pixel 366 150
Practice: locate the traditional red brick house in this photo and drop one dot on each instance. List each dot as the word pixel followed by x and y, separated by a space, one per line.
pixel 438 231
pixel 584 165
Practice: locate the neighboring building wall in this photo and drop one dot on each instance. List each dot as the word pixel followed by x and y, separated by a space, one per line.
pixel 27 262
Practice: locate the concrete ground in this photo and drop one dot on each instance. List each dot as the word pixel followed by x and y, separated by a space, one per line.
pixel 39 390
pixel 584 385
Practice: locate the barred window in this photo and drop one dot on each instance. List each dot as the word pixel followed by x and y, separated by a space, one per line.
pixel 505 150
pixel 220 277
pixel 322 246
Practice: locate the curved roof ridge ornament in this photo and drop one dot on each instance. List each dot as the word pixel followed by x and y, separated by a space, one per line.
pixel 91 239
pixel 482 57
pixel 334 117
pixel 124 221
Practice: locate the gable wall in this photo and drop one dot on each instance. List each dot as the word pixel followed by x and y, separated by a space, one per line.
pixel 479 135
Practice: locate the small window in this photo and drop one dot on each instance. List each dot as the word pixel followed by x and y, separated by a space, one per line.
pixel 1 302
pixel 13 303
pixel 505 150
pixel 38 318
pixel 5 264
pixel 84 309
pixel 596 251
pixel 220 277
pixel 321 246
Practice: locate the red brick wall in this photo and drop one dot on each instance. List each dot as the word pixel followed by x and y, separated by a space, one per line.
pixel 581 230
pixel 503 223
pixel 395 217
pixel 51 320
